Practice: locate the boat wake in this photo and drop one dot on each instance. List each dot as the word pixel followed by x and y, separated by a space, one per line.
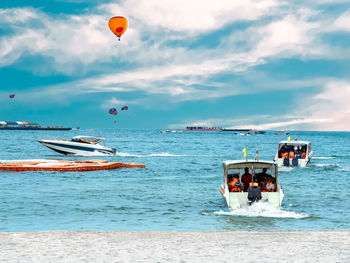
pixel 149 155
pixel 285 169
pixel 90 154
pixel 323 158
pixel 263 210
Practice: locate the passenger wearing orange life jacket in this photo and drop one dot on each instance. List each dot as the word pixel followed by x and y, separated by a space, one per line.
pixel 270 186
pixel 303 155
pixel 291 155
pixel 234 184
pixel 284 155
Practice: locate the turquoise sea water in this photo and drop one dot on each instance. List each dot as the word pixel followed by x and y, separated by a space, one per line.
pixel 179 189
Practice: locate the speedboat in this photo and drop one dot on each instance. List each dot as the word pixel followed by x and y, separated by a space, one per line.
pixel 78 145
pixel 236 168
pixel 293 153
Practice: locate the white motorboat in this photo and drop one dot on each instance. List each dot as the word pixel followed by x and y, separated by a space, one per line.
pixel 78 145
pixel 293 153
pixel 237 199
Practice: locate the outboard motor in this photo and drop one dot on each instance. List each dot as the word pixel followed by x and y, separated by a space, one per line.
pixel 254 194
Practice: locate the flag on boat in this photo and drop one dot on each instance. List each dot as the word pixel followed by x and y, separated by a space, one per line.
pixel 289 138
pixel 244 152
pixel 257 153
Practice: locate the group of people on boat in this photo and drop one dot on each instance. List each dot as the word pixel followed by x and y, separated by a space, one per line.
pixel 292 152
pixel 265 181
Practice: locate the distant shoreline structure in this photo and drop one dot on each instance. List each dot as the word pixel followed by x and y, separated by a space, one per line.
pixel 23 125
pixel 202 128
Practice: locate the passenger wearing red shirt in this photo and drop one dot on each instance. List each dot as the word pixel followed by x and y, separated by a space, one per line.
pixel 246 179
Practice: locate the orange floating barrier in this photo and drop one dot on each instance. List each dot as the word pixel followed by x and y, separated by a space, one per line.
pixel 63 166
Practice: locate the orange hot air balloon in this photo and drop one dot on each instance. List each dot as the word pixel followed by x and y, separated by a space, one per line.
pixel 118 25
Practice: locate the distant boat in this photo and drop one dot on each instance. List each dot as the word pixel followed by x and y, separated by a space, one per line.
pixel 23 125
pixel 201 128
pixel 172 130
pixel 293 153
pixel 281 133
pixel 256 132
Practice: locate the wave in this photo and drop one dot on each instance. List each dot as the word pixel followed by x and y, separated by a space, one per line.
pixel 263 210
pixel 285 169
pixel 323 158
pixel 324 164
pixel 149 155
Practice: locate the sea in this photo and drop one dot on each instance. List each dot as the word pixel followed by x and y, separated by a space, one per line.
pixel 179 188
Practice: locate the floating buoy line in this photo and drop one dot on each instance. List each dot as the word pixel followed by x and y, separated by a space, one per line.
pixel 63 166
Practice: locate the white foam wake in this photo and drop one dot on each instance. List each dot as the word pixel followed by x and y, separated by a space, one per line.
pixel 323 158
pixel 149 155
pixel 285 169
pixel 263 210
pixel 325 164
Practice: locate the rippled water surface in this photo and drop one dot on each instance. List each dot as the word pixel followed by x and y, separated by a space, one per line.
pixel 179 189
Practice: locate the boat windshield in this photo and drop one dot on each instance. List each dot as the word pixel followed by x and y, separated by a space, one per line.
pixel 87 139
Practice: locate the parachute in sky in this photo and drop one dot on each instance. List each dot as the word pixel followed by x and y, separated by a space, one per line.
pixel 113 111
pixel 125 108
pixel 118 25
pixel 12 96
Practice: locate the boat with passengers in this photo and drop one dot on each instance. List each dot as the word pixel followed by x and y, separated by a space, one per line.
pixel 293 153
pixel 263 174
pixel 78 145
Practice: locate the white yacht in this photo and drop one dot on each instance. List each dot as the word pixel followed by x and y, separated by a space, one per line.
pixel 78 145
pixel 293 153
pixel 237 199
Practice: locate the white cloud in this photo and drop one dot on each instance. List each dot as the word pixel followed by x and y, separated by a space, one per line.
pixel 342 23
pixel 196 16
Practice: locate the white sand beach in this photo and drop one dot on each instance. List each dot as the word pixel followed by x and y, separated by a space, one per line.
pixel 166 246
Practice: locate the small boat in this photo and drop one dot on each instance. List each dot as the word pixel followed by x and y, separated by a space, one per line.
pixel 236 168
pixel 293 153
pixel 173 130
pixel 78 145
pixel 256 132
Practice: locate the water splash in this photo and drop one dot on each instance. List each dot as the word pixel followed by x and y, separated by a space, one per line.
pixel 263 210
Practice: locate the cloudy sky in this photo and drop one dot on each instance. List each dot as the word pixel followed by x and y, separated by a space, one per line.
pixel 263 64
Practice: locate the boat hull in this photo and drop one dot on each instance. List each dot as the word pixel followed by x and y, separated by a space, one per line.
pixel 300 162
pixel 76 148
pixel 236 200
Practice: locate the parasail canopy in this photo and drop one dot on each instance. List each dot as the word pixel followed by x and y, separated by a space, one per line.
pixel 118 25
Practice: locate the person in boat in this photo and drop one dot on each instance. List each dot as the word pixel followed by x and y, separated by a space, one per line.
pixel 234 184
pixel 297 151
pixel 254 192
pixel 261 177
pixel 291 154
pixel 246 179
pixel 270 185
pixel 303 153
pixel 283 153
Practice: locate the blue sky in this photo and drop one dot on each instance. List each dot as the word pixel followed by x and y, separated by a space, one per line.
pixel 263 64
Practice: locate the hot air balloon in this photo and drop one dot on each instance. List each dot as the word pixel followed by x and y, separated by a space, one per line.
pixel 118 25
pixel 12 96
pixel 113 111
pixel 125 108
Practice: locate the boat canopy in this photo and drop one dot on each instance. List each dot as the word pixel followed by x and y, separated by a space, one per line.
pixel 241 164
pixel 237 167
pixel 294 143
pixel 87 139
